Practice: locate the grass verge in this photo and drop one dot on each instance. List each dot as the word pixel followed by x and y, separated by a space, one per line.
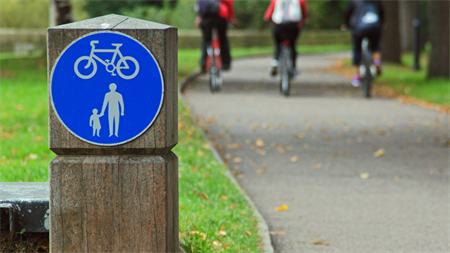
pixel 413 86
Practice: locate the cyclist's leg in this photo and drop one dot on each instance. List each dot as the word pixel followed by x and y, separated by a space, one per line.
pixel 206 26
pixel 375 47
pixel 222 25
pixel 292 32
pixel 356 42
pixel 278 39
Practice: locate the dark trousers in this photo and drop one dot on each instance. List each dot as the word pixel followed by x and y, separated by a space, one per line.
pixel 207 25
pixel 374 37
pixel 284 32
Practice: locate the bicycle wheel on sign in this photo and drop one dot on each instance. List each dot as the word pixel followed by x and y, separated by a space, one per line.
pixel 127 64
pixel 87 71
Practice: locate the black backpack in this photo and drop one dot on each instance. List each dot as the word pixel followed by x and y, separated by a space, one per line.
pixel 208 7
pixel 368 17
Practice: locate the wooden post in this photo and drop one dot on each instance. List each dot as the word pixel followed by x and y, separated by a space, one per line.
pixel 109 194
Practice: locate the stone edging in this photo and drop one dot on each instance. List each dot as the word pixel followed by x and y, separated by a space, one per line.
pixel 263 228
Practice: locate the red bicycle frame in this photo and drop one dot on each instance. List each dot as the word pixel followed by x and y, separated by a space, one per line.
pixel 215 45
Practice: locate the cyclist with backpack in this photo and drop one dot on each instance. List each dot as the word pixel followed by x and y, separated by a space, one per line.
pixel 287 16
pixel 365 18
pixel 215 14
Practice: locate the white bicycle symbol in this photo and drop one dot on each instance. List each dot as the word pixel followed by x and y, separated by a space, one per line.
pixel 109 64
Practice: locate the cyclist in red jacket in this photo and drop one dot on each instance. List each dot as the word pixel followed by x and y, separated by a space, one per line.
pixel 215 14
pixel 288 16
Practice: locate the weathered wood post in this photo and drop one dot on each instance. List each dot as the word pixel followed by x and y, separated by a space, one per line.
pixel 112 123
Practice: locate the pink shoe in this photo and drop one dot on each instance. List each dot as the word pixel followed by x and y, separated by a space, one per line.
pixel 355 81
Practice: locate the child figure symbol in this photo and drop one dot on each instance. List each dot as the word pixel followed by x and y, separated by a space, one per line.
pixel 94 122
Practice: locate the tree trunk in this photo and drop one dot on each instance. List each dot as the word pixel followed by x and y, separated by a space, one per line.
pixel 391 35
pixel 439 26
pixel 63 12
pixel 406 15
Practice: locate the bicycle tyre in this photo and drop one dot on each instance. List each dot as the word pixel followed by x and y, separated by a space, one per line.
pixel 285 71
pixel 214 79
pixel 90 61
pixel 366 84
pixel 124 59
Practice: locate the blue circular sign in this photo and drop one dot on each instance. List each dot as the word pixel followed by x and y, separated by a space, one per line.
pixel 106 88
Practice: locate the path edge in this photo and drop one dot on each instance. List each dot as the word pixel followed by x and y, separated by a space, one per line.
pixel 263 228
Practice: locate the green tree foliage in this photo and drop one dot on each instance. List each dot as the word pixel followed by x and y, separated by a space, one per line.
pixel 24 14
pixel 103 7
pixel 326 14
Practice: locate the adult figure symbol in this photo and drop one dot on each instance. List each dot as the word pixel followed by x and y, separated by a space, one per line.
pixel 113 100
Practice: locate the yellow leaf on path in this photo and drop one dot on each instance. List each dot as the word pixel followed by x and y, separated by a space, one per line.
pixel 233 146
pixel 294 159
pixel 259 143
pixel 320 242
pixel 282 232
pixel 237 160
pixel 262 171
pixel 318 166
pixel 281 208
pixel 365 175
pixel 300 135
pixel 308 128
pixel 379 152
pixel 397 178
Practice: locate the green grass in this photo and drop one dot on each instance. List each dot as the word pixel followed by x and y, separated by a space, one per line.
pixel 405 81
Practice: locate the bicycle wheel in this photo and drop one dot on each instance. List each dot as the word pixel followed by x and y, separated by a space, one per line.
pixel 90 62
pixel 214 74
pixel 285 70
pixel 367 75
pixel 122 64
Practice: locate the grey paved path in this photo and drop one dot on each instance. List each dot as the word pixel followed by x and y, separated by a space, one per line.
pixel 314 152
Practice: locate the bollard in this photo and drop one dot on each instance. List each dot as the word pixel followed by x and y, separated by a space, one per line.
pixel 112 124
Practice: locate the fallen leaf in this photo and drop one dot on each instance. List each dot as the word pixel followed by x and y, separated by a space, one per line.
pixel 397 178
pixel 281 208
pixel 306 146
pixel 224 197
pixel 262 171
pixel 365 132
pixel 241 175
pixel 294 159
pixel 248 232
pixel 300 135
pixel 318 166
pixel 326 138
pixel 38 139
pixel 308 128
pixel 233 146
pixel 201 194
pixel 379 152
pixel 419 140
pixel 259 143
pixel 33 156
pixel 282 232
pixel 320 242
pixel 237 160
pixel 233 206
pixel 365 175
pixel 217 243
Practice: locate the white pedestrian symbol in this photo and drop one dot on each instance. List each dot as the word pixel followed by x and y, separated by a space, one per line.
pixel 109 64
pixel 94 122
pixel 113 100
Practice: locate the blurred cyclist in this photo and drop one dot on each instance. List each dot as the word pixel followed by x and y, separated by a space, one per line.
pixel 365 18
pixel 288 16
pixel 215 14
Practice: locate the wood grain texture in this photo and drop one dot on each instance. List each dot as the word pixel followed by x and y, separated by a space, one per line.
pixel 162 41
pixel 114 203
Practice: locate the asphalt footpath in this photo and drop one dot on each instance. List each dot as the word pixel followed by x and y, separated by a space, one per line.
pixel 329 170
